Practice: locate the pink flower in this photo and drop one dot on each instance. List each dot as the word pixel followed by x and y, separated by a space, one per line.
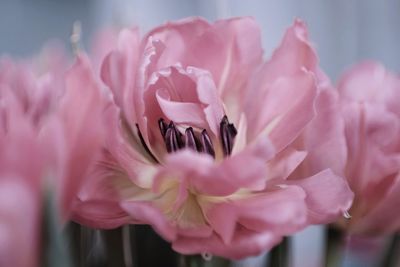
pixel 48 140
pixel 19 187
pixel 370 109
pixel 202 141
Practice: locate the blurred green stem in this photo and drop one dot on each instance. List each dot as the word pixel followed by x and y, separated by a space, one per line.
pixel 279 255
pixel 200 261
pixel 391 257
pixel 334 249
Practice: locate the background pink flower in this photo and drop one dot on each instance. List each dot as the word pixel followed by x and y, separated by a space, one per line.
pixel 48 140
pixel 368 101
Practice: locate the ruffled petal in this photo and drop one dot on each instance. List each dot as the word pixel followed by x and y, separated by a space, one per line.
pixel 324 138
pixel 286 109
pixel 282 211
pixel 274 93
pixel 327 196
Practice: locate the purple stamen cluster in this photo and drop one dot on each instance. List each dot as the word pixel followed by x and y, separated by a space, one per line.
pixel 200 142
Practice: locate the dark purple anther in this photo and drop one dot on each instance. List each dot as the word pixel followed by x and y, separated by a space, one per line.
pixel 144 143
pixel 163 127
pixel 202 142
pixel 190 139
pixel 207 143
pixel 228 132
pixel 172 138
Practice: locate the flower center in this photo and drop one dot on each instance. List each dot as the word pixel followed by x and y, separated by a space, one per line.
pixel 200 142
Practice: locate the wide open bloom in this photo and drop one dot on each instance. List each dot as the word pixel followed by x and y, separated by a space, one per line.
pixel 368 95
pixel 48 140
pixel 200 145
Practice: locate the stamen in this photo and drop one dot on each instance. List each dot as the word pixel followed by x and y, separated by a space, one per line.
pixel 207 143
pixel 144 143
pixel 163 127
pixel 175 140
pixel 228 133
pixel 172 138
pixel 190 139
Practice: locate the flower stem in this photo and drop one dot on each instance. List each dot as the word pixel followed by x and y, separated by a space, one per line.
pixel 279 255
pixel 199 261
pixel 392 256
pixel 334 241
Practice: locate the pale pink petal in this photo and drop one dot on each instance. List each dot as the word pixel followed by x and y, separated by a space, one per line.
pixel 80 112
pixel 178 37
pixel 97 204
pixel 20 222
pixel 371 134
pixel 327 196
pixel 228 176
pixel 284 163
pixel 282 211
pixel 324 137
pixel 288 76
pixel 184 96
pixel 208 95
pixel 383 218
pixel 184 113
pixel 229 49
pixel 119 70
pixel 247 169
pixel 294 53
pixel 200 167
pixel 103 42
pixel 147 67
pixel 287 107
pixel 367 81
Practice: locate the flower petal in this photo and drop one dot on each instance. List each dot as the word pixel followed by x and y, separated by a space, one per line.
pixel 185 113
pixel 80 110
pixel 282 211
pixel 324 137
pixel 287 107
pixel 328 196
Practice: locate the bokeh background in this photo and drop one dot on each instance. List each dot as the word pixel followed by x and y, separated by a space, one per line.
pixel 344 32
